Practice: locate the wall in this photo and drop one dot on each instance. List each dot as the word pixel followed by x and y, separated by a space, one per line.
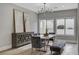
pixel 78 27
pixel 6 23
pixel 61 14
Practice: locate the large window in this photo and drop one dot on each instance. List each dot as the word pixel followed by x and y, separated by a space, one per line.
pixel 50 26
pixel 42 26
pixel 65 26
pixel 60 26
pixel 69 26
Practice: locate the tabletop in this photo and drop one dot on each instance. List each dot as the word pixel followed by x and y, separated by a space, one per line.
pixel 45 37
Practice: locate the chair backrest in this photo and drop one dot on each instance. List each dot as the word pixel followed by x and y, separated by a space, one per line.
pixel 36 42
pixel 36 33
pixel 51 33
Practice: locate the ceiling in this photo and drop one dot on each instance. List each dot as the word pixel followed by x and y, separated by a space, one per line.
pixel 54 6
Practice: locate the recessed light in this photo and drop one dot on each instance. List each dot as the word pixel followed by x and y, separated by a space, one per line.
pixel 62 5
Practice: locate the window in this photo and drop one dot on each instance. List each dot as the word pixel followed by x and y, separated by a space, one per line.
pixel 42 26
pixel 69 26
pixel 49 26
pixel 60 26
pixel 65 26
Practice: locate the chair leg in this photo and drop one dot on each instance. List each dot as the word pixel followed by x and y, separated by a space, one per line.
pixel 51 52
pixel 48 42
pixel 44 49
pixel 51 42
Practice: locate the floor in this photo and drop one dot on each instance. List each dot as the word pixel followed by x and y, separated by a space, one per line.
pixel 69 49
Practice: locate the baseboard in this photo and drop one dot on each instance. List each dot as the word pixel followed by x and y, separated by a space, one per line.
pixel 5 47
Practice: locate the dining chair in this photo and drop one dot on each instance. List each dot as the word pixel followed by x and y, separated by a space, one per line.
pixel 52 38
pixel 37 43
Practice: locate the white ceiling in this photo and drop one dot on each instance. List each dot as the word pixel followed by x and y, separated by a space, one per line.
pixel 54 6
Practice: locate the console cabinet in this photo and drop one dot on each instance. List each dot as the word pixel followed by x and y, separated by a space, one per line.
pixel 20 39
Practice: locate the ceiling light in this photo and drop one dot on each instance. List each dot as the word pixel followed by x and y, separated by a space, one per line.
pixel 45 9
pixel 62 5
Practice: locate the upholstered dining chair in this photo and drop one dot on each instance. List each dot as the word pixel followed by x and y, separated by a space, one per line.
pixel 52 38
pixel 37 43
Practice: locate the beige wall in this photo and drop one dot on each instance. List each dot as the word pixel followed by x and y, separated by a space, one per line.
pixel 6 23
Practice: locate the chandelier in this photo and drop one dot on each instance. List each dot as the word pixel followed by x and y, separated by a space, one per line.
pixel 44 9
